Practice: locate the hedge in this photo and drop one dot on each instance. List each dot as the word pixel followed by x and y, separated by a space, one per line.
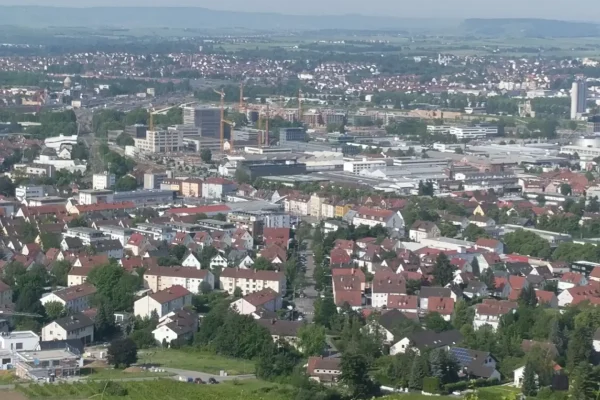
pixel 464 385
pixel 431 385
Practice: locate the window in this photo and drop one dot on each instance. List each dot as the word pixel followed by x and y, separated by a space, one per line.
pixel 6 361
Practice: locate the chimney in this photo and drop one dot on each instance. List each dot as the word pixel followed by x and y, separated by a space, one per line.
pixel 352 271
pixel 273 321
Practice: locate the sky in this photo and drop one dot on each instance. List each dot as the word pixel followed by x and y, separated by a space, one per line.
pixel 552 9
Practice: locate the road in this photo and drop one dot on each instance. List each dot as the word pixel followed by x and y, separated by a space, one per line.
pixel 305 305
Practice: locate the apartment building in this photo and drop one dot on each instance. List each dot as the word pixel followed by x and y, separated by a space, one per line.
pixel 250 281
pixel 77 326
pixel 356 167
pixel 74 298
pixel 191 188
pixel 372 217
pixel 162 278
pixel 103 181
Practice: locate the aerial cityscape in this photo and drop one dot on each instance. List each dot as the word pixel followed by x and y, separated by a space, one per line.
pixel 225 204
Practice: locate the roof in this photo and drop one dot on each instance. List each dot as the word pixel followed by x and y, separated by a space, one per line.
pixel 473 361
pixel 76 344
pixel 544 296
pixel 281 327
pixel 261 297
pixel 4 287
pixel 517 282
pixel 386 281
pixel 490 243
pixel 74 322
pixel 344 244
pixel 80 271
pixel 571 277
pixel 441 305
pixel 495 307
pixel 108 245
pixel 339 256
pixel 75 292
pixel 105 207
pixel 210 209
pixel 178 272
pixel 424 226
pixel 93 261
pixel 434 291
pixel 238 273
pixel 279 236
pixel 431 339
pixel 136 239
pixel 330 364
pixel 402 301
pixel 182 321
pixel 373 212
pixel 390 319
pixel 170 294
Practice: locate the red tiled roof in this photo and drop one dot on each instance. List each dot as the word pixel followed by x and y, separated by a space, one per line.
pixel 93 261
pixel 441 305
pixel 339 256
pixel 402 301
pixel 272 252
pixel 571 277
pixel 83 208
pixel 373 212
pixel 344 244
pixel 595 273
pixel 352 297
pixel 252 274
pixel 136 239
pixel 544 296
pixel 261 297
pixel 178 272
pixel 170 294
pixel 495 307
pixel 132 263
pixel 279 236
pixel 218 181
pixel 76 292
pixel 517 282
pixel 80 271
pixel 491 243
pixel 348 272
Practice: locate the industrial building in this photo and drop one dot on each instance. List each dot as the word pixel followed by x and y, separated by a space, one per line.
pixel 593 124
pixel 578 99
pixel 357 166
pixel 142 198
pixel 473 132
pixel 297 134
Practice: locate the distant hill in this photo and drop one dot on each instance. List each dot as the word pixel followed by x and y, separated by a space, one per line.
pixel 199 18
pixel 529 27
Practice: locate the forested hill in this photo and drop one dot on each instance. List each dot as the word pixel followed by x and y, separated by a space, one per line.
pixel 529 27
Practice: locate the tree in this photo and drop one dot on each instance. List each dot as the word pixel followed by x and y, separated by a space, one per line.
pixel 325 310
pixel 54 310
pixel 122 353
pixel 593 205
pixel 565 189
pixel 527 243
pixel 426 189
pixel 581 382
pixel 7 187
pixel 529 387
pixel 580 345
pixel 473 232
pixel 459 150
pixel 435 322
pixel 241 176
pixel 355 375
pixel 312 339
pixel 50 240
pixel 463 314
pixel 125 140
pixel 178 251
pixel 60 271
pixel 104 323
pixel 448 230
pixel 589 176
pixel 237 292
pixel 126 183
pixel 206 155
pixel 443 272
pixel 262 264
pixel 443 366
pixel 205 287
pixel 419 370
pixel 276 361
pixel 412 286
pixel 143 338
pixel 528 296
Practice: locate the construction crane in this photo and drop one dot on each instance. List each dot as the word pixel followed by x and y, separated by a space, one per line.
pixel 222 94
pixel 232 125
pixel 299 105
pixel 265 140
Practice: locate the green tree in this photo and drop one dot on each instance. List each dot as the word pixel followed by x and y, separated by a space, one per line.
pixel 122 353
pixel 473 232
pixel 241 176
pixel 54 310
pixel 50 240
pixel 527 243
pixel 443 366
pixel 143 338
pixel 589 176
pixel 60 271
pixel 126 183
pixel 581 382
pixel 104 323
pixel 580 345
pixel 435 322
pixel 463 314
pixel 443 272
pixel 262 264
pixel 124 140
pixel 355 375
pixel 419 370
pixel 237 292
pixel 325 311
pixel 529 387
pixel 206 155
pixel 312 339
pixel 565 189
pixel 178 251
pixel 7 187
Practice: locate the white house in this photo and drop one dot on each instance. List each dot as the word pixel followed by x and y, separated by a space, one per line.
pixel 163 302
pixel 267 299
pixel 74 298
pixel 162 278
pixel 372 217
pixel 490 311
pixel 570 280
pixel 250 281
pixel 191 261
pixel 218 261
pixel 19 340
pixel 216 188
pixel 423 230
pixel 77 326
pixel 178 326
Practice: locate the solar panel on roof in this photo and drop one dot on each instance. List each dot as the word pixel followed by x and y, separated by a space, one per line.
pixel 462 355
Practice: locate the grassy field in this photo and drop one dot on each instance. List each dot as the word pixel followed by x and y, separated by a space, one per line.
pixel 193 360
pixel 161 390
pixel 109 373
pixel 488 393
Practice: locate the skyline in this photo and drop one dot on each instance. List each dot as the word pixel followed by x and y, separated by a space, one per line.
pixel 457 9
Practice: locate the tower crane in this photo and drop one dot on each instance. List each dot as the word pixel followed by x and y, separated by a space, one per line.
pixel 222 94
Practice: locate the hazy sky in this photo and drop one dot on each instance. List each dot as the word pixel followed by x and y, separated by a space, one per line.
pixel 558 9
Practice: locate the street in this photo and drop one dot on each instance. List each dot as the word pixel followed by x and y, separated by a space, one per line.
pixel 306 305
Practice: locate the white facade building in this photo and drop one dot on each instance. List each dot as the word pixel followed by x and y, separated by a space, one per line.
pixel 23 193
pixel 103 181
pixel 19 340
pixel 160 141
pixel 356 167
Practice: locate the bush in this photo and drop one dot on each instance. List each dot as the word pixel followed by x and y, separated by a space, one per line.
pixel 111 388
pixel 431 385
pixel 464 385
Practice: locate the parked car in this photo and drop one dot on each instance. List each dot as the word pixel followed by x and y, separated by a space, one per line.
pixel 212 381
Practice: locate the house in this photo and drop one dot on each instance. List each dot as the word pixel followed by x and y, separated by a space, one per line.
pixel 218 261
pixel 250 280
pixel 85 261
pixel 76 326
pixel 274 253
pixel 476 289
pixel 371 217
pixel 491 245
pixel 577 294
pixel 277 236
pixel 407 304
pixel 182 238
pixel 177 326
pixel 488 260
pixel 423 340
pixel 242 239
pixel 161 278
pixel 482 221
pixel 71 244
pixel 520 372
pixel 137 244
pixel 112 248
pixel 490 311
pixel 441 305
pixel 267 299
pixel 546 298
pixel 18 340
pixel 423 230
pixel 595 274
pixel 570 280
pixel 386 282
pixel 190 261
pixel 346 245
pixel 216 188
pixel 78 276
pixel 386 324
pixel 339 257
pixel 348 289
pixel 324 370
pixel 163 302
pixel 74 298
pixel 475 364
pixel 282 329
pixel 433 291
pixel 246 263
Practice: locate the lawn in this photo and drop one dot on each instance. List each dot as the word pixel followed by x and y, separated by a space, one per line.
pixel 110 373
pixel 194 360
pixel 164 389
pixel 7 377
pixel 487 393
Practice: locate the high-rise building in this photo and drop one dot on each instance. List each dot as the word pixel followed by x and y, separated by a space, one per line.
pixel 136 131
pixel 297 134
pixel 578 99
pixel 207 119
pixel 593 124
pixel 160 141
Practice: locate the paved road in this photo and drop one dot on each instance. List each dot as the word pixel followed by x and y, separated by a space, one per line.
pixel 306 305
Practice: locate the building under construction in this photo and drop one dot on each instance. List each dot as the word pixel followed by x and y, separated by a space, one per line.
pixel 206 119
